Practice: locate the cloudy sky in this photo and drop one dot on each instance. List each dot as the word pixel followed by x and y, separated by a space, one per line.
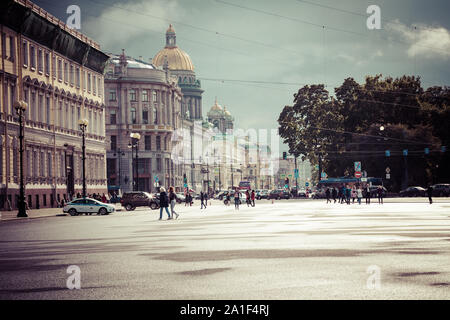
pixel 255 54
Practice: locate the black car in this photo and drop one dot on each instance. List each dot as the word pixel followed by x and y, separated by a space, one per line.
pixel 133 199
pixel 441 190
pixel 413 192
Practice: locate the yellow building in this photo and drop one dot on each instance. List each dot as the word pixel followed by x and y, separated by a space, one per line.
pixel 58 72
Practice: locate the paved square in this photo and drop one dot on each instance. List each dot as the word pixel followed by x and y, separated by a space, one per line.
pixel 287 250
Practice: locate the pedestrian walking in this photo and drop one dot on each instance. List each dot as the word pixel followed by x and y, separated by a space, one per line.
pixel 236 200
pixel 327 194
pixel 187 200
pixel 353 194
pixel 104 198
pixel 359 194
pixel 334 193
pixel 247 198
pixel 202 199
pixel 380 194
pixel 253 195
pixel 430 194
pixel 173 202
pixel 348 193
pixel 228 197
pixel 367 194
pixel 163 203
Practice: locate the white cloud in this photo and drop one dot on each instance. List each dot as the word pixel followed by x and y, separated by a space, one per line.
pixel 425 41
pixel 124 22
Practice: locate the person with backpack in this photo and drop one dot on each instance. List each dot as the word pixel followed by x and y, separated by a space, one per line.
pixel 163 203
pixel 173 202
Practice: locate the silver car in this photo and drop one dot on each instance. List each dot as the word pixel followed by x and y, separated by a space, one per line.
pixel 87 206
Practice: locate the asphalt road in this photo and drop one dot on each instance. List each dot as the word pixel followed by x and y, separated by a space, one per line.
pixel 286 250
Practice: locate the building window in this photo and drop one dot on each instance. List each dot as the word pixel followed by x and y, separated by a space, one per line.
pixel 133 115
pixel 78 77
pixel 112 117
pixel 155 115
pixel 112 95
pixel 54 66
pixel 94 87
pixel 32 57
pixel 66 70
pixel 132 95
pixel 148 142
pixel 48 110
pixel 158 164
pixel 113 142
pixel 145 115
pixel 40 61
pixel 42 165
pixel 12 49
pixel 145 95
pixel 155 96
pixel 72 75
pixel 49 164
pixel 89 82
pixel 47 63
pixel 158 143
pixel 60 70
pixel 25 53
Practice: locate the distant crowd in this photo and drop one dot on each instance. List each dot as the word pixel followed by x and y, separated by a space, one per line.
pixel 347 194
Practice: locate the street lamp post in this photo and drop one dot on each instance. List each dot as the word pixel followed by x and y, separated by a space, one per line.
pixel 83 123
pixel 21 107
pixel 135 137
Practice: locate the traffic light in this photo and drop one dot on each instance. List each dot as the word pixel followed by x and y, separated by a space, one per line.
pixel 284 155
pixel 184 178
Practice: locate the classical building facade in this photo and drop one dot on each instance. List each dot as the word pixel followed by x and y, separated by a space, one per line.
pixel 144 99
pixel 59 75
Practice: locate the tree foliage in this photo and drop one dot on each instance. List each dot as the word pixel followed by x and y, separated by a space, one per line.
pixel 346 128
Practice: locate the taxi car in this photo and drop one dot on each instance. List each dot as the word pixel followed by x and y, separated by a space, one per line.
pixel 87 206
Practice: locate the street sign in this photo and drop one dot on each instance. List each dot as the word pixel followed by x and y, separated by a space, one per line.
pixel 388 170
pixel 388 153
pixel 427 150
pixel 358 166
pixel 405 152
pixel 185 185
pixel 306 184
pixel 296 173
pixel 364 174
pixel 363 179
pixel 388 175
pixel 317 167
pixel 358 174
pixel 323 175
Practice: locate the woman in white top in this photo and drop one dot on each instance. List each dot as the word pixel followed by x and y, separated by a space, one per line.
pixel 359 194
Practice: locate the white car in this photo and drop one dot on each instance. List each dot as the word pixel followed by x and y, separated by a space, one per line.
pixel 87 206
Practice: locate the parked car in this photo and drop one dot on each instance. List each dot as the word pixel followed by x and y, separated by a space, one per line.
pixel 301 193
pixel 180 197
pixel 87 206
pixel 133 199
pixel 279 194
pixel 262 194
pixel 222 195
pixel 413 192
pixel 441 190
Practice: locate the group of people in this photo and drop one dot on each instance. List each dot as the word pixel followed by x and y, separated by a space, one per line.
pixel 348 194
pixel 165 200
pixel 249 198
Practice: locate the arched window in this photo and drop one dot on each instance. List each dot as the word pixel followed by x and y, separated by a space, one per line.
pixel 155 115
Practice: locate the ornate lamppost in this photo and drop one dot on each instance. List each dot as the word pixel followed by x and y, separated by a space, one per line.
pixel 135 137
pixel 83 123
pixel 21 107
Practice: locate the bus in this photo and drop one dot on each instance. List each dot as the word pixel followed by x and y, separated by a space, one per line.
pixel 244 185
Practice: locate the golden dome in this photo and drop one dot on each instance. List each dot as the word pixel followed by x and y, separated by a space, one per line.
pixel 177 59
pixel 216 107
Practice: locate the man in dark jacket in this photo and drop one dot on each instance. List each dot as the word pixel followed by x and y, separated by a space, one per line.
pixel 327 194
pixel 203 199
pixel 430 193
pixel 163 203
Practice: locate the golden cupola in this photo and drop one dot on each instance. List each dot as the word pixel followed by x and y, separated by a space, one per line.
pixel 176 58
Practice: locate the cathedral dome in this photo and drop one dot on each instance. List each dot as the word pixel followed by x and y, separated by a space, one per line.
pixel 216 107
pixel 176 58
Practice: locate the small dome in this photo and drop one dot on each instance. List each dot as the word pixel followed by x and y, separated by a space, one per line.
pixel 216 107
pixel 227 113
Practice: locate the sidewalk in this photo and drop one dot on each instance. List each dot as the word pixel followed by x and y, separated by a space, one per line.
pixel 32 214
pixel 39 213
